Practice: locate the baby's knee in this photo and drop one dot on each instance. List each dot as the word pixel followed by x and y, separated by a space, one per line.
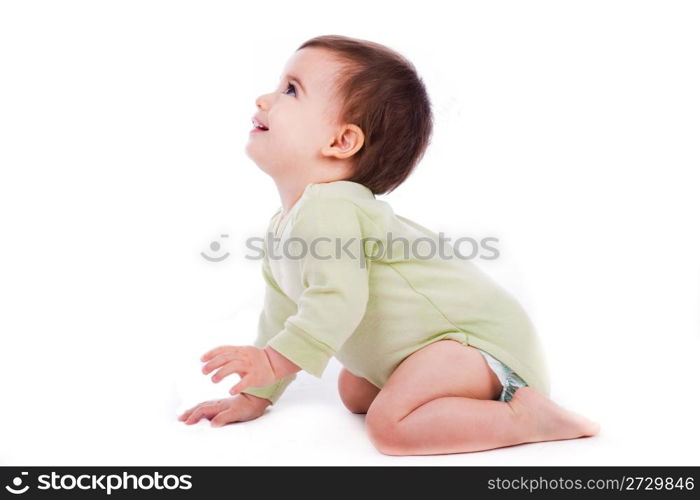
pixel 356 393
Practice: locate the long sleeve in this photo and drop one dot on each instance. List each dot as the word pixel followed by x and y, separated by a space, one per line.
pixel 277 307
pixel 334 274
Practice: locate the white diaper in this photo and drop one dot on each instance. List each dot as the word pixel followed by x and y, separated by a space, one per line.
pixel 508 378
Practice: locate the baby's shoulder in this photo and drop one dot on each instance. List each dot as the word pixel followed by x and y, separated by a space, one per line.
pixel 331 211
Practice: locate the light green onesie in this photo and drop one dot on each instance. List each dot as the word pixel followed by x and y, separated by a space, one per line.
pixel 325 296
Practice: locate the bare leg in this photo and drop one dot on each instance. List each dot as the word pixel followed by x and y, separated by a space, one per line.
pixel 356 393
pixel 441 400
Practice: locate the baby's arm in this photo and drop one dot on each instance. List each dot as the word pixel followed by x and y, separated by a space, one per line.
pixel 304 335
pixel 276 309
pixel 335 290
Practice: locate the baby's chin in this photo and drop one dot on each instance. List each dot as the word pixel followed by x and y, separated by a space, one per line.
pixel 271 166
pixel 262 165
pixel 259 153
pixel 276 164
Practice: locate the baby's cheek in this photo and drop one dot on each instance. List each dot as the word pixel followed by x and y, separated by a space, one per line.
pixel 295 148
pixel 302 138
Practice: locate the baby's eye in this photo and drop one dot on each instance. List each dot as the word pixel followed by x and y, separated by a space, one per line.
pixel 293 88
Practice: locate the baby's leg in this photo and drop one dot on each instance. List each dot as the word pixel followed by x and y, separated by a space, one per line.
pixel 356 393
pixel 442 399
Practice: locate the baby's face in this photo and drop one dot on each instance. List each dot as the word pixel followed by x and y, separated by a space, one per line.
pixel 301 115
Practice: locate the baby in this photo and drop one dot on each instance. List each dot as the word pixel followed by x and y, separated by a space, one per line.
pixel 439 357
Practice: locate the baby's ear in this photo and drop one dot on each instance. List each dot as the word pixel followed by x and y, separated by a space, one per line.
pixel 346 143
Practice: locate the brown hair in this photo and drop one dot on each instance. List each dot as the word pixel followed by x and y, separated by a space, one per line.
pixel 382 94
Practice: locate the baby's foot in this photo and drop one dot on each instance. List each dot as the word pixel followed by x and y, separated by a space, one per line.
pixel 549 421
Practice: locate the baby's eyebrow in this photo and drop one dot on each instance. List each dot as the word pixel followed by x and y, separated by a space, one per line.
pixel 296 79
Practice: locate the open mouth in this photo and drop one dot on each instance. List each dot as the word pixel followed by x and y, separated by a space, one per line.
pixel 259 126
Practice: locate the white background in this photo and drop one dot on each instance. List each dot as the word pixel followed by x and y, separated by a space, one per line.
pixel 569 130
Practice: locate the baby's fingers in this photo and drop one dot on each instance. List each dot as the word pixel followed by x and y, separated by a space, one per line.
pixel 234 366
pixel 218 362
pixel 188 412
pixel 226 417
pixel 243 384
pixel 206 410
pixel 224 349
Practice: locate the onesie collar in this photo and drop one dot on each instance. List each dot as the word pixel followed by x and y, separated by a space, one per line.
pixel 344 187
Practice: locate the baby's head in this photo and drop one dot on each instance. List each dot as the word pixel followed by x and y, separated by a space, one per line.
pixel 344 109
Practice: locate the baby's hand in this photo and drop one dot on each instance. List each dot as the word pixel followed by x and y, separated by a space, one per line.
pixel 250 363
pixel 242 408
